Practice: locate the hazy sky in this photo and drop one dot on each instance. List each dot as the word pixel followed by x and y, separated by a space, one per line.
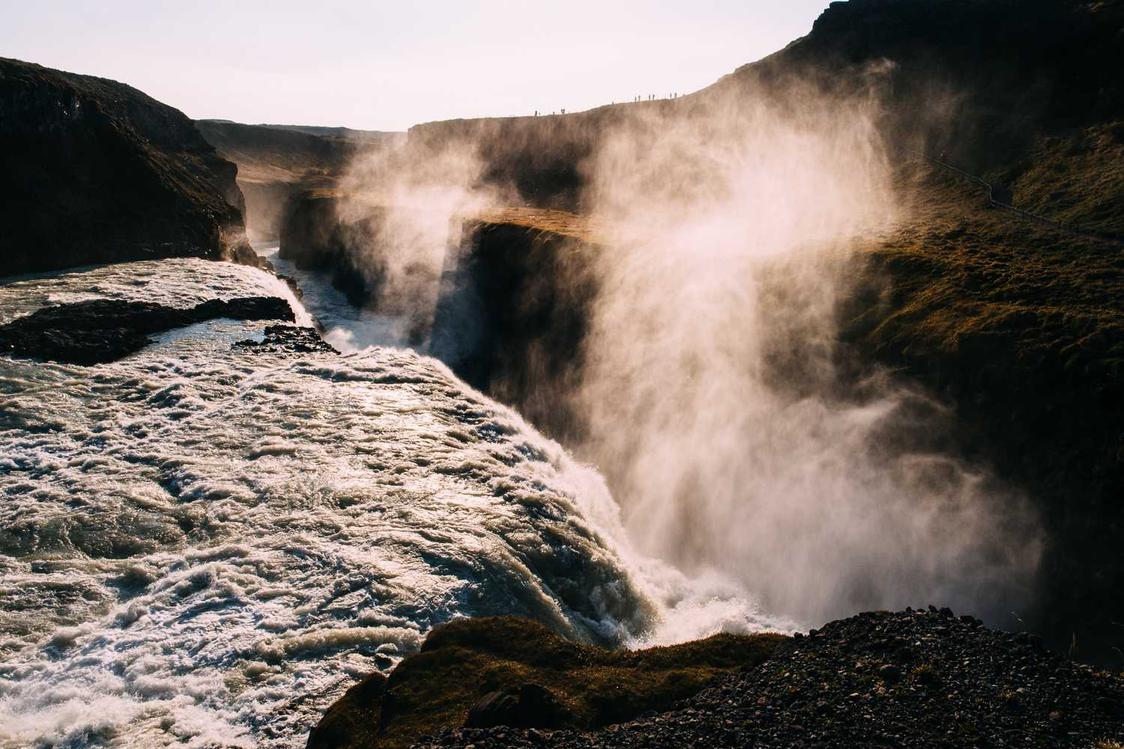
pixel 388 65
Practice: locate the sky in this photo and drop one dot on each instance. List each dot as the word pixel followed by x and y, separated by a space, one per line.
pixel 388 65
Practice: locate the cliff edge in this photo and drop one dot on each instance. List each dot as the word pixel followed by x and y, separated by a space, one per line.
pixel 98 172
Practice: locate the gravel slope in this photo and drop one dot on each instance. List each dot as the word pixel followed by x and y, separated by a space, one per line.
pixel 909 679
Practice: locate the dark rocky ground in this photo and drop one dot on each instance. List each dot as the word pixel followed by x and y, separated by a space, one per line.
pixel 908 679
pixel 104 330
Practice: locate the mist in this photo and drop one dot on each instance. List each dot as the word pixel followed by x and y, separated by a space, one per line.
pixel 717 403
pixel 747 449
pixel 404 209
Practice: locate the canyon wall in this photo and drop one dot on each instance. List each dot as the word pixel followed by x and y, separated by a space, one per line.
pixel 276 163
pixel 96 171
pixel 512 317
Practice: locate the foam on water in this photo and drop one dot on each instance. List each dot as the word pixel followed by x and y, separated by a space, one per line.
pixel 345 327
pixel 202 546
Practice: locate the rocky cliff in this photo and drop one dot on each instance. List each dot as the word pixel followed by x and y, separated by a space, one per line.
pixel 96 171
pixel 1014 318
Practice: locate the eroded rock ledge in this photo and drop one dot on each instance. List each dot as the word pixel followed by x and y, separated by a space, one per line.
pixel 496 671
pixel 105 330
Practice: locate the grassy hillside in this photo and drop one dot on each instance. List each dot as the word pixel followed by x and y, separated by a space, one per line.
pixel 1019 326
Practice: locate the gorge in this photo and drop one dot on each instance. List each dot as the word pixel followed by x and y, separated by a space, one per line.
pixel 676 381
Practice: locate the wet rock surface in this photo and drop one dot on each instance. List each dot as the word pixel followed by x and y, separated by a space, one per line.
pixel 910 679
pixel 105 330
pixel 288 339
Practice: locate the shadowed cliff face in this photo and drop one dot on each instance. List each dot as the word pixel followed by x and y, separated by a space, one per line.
pixel 313 238
pixel 512 318
pixel 96 171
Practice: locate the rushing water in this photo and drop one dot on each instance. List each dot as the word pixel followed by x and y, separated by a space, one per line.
pixel 204 546
pixel 346 327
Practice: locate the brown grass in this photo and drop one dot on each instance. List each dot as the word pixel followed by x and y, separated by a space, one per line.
pixel 467 659
pixel 564 223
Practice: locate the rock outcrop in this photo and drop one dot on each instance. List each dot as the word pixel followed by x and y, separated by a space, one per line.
pixel 97 172
pixel 288 339
pixel 104 330
pixel 505 671
pixel 908 679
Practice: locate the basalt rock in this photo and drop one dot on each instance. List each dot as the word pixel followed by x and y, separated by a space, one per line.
pixel 104 330
pixel 288 339
pixel 96 172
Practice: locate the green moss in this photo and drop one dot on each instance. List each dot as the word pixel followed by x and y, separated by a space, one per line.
pixel 467 659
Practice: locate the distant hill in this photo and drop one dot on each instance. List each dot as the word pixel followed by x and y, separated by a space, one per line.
pixel 341 133
pixel 274 161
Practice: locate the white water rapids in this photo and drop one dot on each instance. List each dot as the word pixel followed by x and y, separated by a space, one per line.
pixel 202 546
